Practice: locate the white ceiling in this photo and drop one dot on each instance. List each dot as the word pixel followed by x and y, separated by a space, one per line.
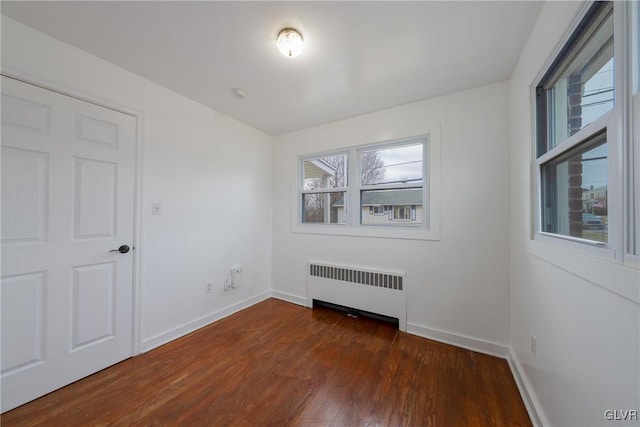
pixel 359 56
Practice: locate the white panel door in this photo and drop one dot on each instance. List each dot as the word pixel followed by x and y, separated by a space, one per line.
pixel 67 201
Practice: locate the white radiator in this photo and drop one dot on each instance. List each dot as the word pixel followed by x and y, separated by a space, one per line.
pixel 375 291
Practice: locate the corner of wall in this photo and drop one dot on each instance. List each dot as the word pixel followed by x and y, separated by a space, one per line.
pixel 529 398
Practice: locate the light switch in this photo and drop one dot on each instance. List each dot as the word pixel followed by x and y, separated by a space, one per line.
pixel 156 208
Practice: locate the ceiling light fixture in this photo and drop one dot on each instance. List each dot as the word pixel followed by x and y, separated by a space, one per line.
pixel 290 42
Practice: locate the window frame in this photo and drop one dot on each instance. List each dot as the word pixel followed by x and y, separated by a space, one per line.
pixel 632 187
pixel 408 210
pixel 379 208
pixel 622 131
pixel 430 227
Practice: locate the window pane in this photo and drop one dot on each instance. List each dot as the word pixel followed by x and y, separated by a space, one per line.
pixel 325 172
pixel 325 208
pixel 392 165
pixel 391 207
pixel 583 89
pixel 575 193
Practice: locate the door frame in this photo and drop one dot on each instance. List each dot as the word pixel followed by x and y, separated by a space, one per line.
pixel 136 333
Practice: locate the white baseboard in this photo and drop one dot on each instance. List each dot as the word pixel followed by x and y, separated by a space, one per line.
pixel 469 343
pixel 526 392
pixel 172 334
pixel 474 344
pixel 295 299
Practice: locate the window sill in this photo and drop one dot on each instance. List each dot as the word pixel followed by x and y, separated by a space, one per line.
pixel 589 247
pixel 385 232
pixel 594 264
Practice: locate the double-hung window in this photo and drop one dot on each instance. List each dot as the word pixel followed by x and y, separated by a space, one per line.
pixel 380 189
pixel 587 132
pixel 575 101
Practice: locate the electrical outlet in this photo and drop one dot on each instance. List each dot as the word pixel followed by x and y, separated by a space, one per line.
pixel 534 345
pixel 156 208
pixel 227 284
pixel 237 276
pixel 208 288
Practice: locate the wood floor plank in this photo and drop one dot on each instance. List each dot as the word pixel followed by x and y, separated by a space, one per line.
pixel 278 364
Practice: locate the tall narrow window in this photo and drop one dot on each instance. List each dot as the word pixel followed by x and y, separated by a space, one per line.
pixel 574 100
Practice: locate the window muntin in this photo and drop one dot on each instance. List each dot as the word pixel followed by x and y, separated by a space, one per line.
pixel 574 101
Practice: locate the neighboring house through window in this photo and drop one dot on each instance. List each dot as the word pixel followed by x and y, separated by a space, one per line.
pixel 392 176
pixel 392 205
pixel 381 185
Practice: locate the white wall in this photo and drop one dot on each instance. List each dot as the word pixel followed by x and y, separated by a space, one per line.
pixel 214 179
pixel 459 284
pixel 211 173
pixel 587 337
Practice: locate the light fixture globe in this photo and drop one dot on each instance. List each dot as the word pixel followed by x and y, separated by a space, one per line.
pixel 290 42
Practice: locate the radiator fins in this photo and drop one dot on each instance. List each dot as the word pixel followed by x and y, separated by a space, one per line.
pixel 363 277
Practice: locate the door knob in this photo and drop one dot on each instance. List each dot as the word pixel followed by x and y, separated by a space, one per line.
pixel 122 249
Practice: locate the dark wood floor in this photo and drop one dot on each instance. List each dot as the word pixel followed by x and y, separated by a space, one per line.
pixel 277 364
